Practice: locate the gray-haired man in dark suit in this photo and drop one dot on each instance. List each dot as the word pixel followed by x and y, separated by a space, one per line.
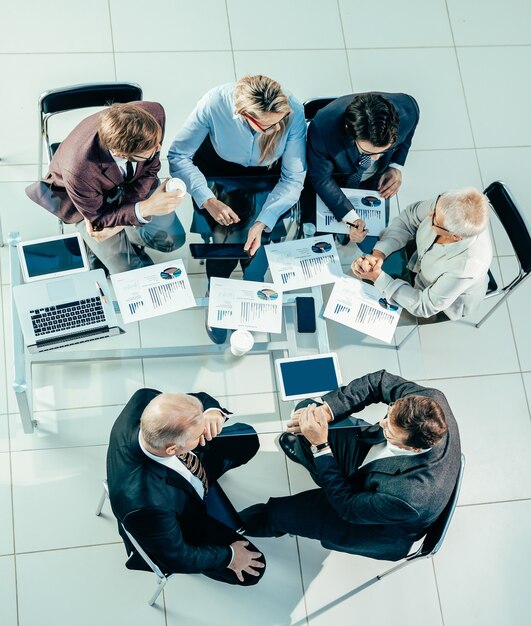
pixel 380 486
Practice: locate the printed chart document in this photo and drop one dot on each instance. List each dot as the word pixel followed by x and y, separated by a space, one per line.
pixel 235 304
pixel 368 205
pixel 154 290
pixel 304 262
pixel 362 307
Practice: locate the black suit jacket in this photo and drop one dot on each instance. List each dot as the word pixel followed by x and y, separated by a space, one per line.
pixel 331 152
pixel 157 505
pixel 84 177
pixel 380 509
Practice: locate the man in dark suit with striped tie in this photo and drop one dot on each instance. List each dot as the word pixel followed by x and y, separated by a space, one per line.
pixel 164 459
pixel 359 141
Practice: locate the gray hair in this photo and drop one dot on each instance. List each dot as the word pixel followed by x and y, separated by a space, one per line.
pixel 465 212
pixel 167 418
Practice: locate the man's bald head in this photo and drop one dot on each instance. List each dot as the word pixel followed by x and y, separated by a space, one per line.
pixel 168 417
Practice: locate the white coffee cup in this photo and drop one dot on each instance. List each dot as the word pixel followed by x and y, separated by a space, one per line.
pixel 176 184
pixel 308 229
pixel 241 341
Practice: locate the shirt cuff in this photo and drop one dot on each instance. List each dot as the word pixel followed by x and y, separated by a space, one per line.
pixel 386 247
pixel 328 407
pixel 213 408
pixel 351 216
pixel 396 166
pixel 322 453
pixel 139 217
pixel 383 281
pixel 231 556
pixel 201 197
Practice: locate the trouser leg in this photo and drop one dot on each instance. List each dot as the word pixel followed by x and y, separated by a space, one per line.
pixel 164 233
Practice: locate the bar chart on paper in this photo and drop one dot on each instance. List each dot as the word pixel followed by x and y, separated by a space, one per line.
pixel 154 290
pixel 304 262
pixel 367 205
pixel 249 305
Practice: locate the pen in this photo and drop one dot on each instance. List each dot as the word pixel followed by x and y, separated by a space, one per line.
pixel 357 227
pixel 102 295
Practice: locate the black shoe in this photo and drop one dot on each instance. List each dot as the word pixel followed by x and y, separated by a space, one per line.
pixel 217 335
pixel 287 442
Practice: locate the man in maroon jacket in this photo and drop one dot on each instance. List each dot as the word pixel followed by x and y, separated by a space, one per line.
pixel 103 178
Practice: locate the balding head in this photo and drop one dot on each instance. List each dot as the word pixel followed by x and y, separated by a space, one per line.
pixel 167 419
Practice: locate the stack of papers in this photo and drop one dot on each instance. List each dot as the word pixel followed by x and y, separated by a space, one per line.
pixel 362 307
pixel 368 205
pixel 235 304
pixel 152 291
pixel 304 262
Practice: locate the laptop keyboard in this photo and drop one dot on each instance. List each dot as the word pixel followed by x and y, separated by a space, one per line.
pixel 52 319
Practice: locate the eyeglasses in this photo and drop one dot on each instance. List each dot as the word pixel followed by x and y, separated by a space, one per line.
pixel 392 307
pixel 262 128
pixel 136 158
pixel 366 153
pixel 433 218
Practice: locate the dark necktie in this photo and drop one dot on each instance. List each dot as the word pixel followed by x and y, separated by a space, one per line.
pixel 193 463
pixel 129 172
pixel 354 179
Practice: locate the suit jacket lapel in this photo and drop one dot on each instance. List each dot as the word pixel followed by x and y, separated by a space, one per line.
pixel 109 168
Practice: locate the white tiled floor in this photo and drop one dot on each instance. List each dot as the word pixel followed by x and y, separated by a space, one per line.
pixel 467 63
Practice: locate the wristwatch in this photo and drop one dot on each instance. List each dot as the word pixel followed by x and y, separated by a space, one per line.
pixel 319 447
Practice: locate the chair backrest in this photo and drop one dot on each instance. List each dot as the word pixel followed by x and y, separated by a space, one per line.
pixel 156 569
pixel 437 531
pixel 315 104
pixel 87 95
pixel 513 221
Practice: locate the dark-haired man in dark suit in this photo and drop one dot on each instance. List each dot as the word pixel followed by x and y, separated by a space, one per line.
pixel 359 141
pixel 380 486
pixel 164 457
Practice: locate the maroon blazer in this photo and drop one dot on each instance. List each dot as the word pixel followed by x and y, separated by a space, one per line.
pixel 83 178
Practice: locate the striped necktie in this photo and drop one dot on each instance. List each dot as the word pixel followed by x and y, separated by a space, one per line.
pixel 193 463
pixel 354 179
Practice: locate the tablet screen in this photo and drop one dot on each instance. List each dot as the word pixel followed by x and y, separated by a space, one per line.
pixel 311 377
pixel 50 257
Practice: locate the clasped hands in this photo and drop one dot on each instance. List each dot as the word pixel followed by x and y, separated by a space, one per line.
pixel 368 266
pixel 214 421
pixel 312 422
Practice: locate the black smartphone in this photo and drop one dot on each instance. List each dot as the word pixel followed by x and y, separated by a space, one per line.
pixel 218 251
pixel 305 314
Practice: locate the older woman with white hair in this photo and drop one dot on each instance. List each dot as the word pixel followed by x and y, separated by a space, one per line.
pixel 451 261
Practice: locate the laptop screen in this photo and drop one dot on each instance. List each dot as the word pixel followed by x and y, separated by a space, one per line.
pixel 50 257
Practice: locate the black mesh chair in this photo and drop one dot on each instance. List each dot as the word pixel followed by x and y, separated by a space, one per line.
pixel 313 105
pixel 75 97
pixel 431 544
pixel 517 229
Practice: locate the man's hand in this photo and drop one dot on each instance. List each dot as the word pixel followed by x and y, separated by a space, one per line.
pixel 254 238
pixel 389 182
pixel 214 421
pixel 221 212
pixel 102 235
pixel 313 425
pixel 358 232
pixel 367 267
pixel 244 560
pixel 324 413
pixel 161 202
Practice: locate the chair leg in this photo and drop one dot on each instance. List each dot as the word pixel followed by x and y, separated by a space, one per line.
pixel 103 497
pixel 160 586
pixel 507 292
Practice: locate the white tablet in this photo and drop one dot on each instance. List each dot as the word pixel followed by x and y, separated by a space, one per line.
pixel 308 376
pixel 52 257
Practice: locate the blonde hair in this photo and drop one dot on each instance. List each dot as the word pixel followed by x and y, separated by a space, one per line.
pixel 128 129
pixel 256 95
pixel 465 211
pixel 167 418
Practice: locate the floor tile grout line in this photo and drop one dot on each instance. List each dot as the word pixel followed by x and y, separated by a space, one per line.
pixel 64 548
pixel 231 42
pixel 112 40
pixel 490 502
pixel 438 591
pixel 345 46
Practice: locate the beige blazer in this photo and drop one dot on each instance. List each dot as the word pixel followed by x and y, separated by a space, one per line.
pixel 449 277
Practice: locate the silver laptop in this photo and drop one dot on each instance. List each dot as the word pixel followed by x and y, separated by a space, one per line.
pixel 65 311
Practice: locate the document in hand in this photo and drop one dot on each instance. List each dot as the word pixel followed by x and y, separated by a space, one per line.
pixel 304 262
pixel 245 304
pixel 154 290
pixel 368 205
pixel 361 306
